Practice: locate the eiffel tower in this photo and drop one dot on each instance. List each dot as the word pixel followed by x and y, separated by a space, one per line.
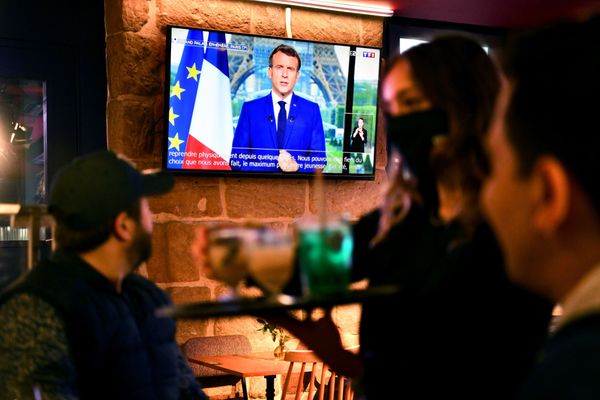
pixel 325 73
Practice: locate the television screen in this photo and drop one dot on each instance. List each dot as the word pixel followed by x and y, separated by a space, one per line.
pixel 239 104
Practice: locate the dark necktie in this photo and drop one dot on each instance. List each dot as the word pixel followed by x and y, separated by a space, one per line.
pixel 281 120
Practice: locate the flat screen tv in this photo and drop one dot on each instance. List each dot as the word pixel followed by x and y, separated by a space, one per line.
pixel 222 112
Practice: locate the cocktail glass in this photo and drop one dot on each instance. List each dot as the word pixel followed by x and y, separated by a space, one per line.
pixel 271 261
pixel 228 255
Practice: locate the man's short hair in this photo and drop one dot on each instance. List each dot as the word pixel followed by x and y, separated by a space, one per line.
pixel 288 51
pixel 554 105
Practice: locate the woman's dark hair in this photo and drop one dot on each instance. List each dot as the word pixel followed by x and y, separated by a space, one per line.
pixel 457 76
pixel 74 241
pixel 288 51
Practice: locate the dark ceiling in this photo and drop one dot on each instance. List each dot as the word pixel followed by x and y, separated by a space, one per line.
pixel 495 13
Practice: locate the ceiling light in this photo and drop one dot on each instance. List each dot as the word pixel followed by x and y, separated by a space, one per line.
pixel 339 6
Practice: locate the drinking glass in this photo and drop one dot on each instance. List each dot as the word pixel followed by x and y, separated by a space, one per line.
pixel 271 260
pixel 324 253
pixel 228 254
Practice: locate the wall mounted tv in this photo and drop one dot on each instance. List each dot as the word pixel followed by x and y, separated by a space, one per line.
pixel 222 111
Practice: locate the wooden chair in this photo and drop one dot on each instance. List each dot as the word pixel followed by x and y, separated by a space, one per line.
pixel 338 387
pixel 213 346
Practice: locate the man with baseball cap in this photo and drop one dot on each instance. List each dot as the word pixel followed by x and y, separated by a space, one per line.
pixel 81 324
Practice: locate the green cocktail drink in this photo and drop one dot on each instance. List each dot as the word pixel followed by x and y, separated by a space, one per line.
pixel 325 255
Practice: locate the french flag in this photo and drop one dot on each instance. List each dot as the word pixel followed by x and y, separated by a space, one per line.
pixel 183 93
pixel 211 126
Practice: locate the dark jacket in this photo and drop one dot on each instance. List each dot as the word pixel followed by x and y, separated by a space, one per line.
pixel 120 348
pixel 463 330
pixel 569 365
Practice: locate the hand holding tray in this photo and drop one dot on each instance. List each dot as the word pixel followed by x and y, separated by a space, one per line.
pixel 264 305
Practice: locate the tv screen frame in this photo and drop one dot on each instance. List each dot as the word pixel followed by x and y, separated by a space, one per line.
pixel 397 28
pixel 200 125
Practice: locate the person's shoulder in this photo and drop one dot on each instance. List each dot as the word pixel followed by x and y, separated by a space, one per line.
pixel 26 311
pixel 569 364
pixel 576 343
pixel 34 344
pixel 252 106
pixel 369 218
pixel 584 329
pixel 303 101
pixel 136 283
pixel 137 280
pixel 24 302
pixel 258 100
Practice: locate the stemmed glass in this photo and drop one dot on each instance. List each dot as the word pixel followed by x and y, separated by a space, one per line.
pixel 228 255
pixel 271 261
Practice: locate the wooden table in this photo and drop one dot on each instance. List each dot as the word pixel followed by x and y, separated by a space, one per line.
pixel 246 366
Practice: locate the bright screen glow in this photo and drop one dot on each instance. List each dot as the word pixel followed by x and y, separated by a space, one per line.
pixel 407 43
pixel 221 117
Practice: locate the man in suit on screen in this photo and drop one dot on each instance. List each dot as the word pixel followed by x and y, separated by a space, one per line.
pixel 281 131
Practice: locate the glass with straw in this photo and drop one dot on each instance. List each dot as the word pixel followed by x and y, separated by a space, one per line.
pixel 324 249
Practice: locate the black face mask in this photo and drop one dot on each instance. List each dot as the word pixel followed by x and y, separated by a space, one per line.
pixel 412 134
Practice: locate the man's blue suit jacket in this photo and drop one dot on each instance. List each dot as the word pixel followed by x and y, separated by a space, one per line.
pixel 255 145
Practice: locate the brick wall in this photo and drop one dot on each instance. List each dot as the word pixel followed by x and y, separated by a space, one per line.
pixel 135 56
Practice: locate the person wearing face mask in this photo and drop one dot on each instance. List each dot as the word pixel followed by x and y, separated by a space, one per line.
pixel 464 330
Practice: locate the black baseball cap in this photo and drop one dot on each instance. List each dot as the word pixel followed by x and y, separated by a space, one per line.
pixel 94 188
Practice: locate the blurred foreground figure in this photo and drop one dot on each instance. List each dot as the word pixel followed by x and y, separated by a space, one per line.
pixel 543 196
pixel 82 324
pixel 465 331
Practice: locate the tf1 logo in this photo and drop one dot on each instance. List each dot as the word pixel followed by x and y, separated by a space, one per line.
pixel 368 54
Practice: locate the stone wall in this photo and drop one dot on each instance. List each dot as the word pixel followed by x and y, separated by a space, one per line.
pixel 135 60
